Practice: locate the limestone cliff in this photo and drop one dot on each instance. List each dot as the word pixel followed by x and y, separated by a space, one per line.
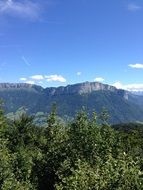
pixel 85 88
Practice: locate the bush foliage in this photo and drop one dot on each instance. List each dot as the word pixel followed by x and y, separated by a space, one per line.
pixel 82 154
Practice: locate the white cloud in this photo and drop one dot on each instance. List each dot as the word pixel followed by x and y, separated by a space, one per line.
pixel 133 7
pixel 23 79
pixel 42 79
pixel 136 66
pixel 23 9
pixel 58 78
pixel 37 77
pixel 99 79
pixel 135 87
pixel 118 85
pixel 129 87
pixel 40 82
pixel 79 73
pixel 30 82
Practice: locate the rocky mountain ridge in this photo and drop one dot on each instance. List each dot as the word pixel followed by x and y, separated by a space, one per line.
pixel 15 85
pixel 122 105
pixel 79 88
pixel 20 86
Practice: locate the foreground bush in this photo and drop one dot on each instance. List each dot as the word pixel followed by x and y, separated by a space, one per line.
pixel 76 156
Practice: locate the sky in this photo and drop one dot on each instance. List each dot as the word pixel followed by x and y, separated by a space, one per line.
pixel 61 42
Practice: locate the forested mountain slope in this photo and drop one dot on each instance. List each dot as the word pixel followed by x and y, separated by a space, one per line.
pixel 121 105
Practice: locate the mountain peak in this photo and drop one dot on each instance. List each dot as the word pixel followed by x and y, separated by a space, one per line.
pixel 84 88
pixel 71 98
pixel 19 86
pixel 15 85
pixel 88 87
pixel 79 88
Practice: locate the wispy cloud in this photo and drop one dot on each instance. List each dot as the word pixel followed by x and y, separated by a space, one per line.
pixel 23 79
pixel 134 7
pixel 40 82
pixel 78 73
pixel 40 79
pixel 25 60
pixel 136 66
pixel 23 9
pixel 30 82
pixel 37 77
pixel 129 87
pixel 99 79
pixel 58 78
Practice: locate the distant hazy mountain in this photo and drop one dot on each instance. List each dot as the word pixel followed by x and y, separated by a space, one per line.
pixel 123 106
pixel 140 93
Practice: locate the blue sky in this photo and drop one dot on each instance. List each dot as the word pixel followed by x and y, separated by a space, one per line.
pixel 60 42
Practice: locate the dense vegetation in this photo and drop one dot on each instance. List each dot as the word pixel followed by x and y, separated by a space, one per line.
pixel 81 155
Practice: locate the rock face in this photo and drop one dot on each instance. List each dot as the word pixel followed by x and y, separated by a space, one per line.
pixel 20 86
pixel 15 85
pixel 85 88
pixel 80 88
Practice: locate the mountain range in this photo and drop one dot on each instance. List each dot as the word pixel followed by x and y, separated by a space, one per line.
pixel 123 106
